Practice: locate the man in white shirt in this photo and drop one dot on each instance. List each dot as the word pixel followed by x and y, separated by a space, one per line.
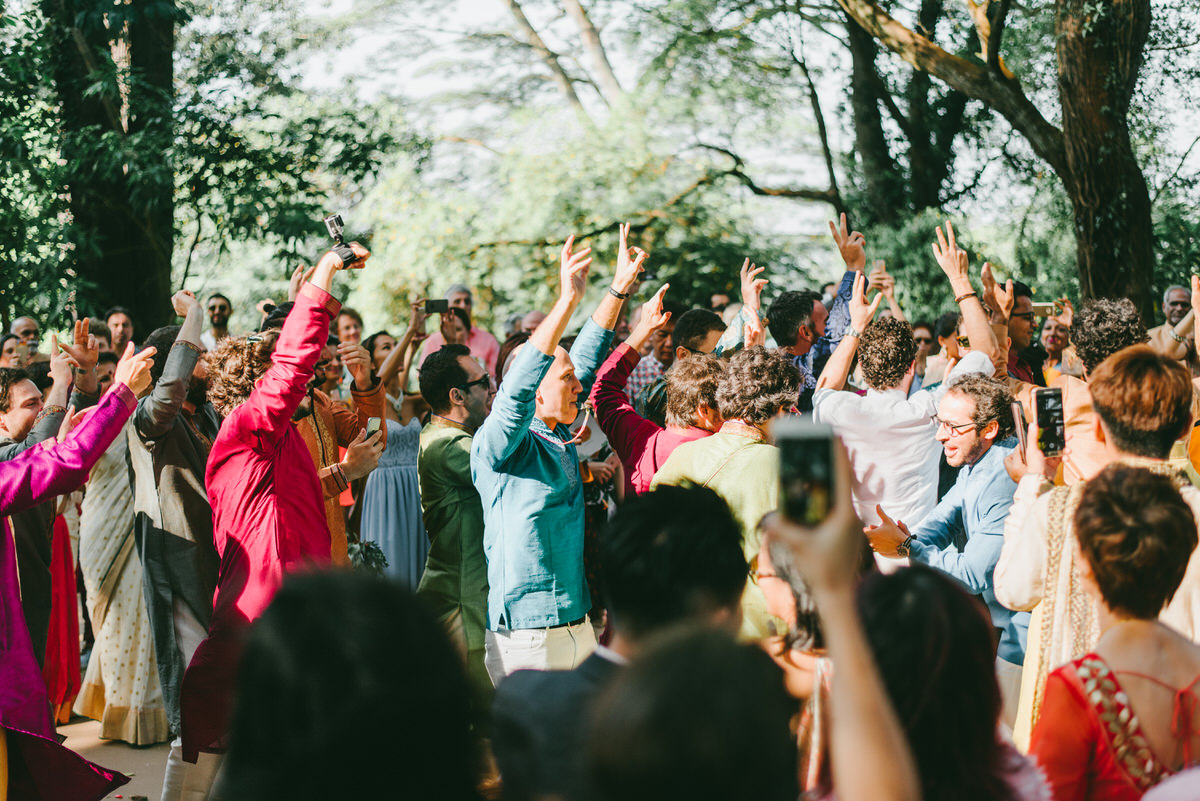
pixel 892 437
pixel 219 309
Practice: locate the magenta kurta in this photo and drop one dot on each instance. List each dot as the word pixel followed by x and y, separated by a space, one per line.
pixel 40 767
pixel 268 515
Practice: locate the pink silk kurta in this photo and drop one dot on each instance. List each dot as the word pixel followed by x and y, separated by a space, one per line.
pixel 40 768
pixel 268 516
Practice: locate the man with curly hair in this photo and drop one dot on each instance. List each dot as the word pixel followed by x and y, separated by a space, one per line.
pixel 738 461
pixel 268 510
pixel 975 426
pixel 889 434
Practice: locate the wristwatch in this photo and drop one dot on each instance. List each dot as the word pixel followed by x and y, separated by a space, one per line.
pixel 902 548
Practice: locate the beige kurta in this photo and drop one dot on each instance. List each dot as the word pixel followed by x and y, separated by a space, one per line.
pixel 1036 571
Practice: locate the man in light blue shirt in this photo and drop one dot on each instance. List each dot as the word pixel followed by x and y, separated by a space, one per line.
pixel 524 464
pixel 975 427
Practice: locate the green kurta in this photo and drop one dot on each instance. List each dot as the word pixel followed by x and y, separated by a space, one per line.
pixel 744 472
pixel 455 584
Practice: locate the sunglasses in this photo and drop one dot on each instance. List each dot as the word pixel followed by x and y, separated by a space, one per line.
pixel 484 381
pixel 922 340
pixel 963 342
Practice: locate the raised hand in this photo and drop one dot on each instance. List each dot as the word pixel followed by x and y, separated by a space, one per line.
pixel 852 246
pixel 827 555
pixel 629 263
pixel 299 276
pixel 573 271
pixel 752 285
pixel 888 535
pixel 61 363
pixel 999 299
pixel 753 333
pixel 1067 315
pixel 861 312
pixel 84 350
pixel 183 301
pixel 133 370
pixel 416 320
pixel 70 420
pixel 362 255
pixel 950 257
pixel 653 317
pixel 357 362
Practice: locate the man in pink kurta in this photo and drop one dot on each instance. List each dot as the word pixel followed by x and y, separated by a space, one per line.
pixel 268 511
pixel 38 767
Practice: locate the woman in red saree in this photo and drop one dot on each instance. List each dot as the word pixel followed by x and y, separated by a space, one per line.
pixel 1119 720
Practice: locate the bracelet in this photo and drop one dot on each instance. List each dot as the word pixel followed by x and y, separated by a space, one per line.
pixel 183 343
pixel 1175 336
pixel 965 295
pixel 850 332
pixel 618 295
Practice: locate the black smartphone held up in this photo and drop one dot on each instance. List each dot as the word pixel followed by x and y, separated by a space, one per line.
pixel 1052 435
pixel 335 227
pixel 1019 421
pixel 437 306
pixel 805 469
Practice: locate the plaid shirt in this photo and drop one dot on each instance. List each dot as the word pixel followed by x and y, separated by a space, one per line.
pixel 649 369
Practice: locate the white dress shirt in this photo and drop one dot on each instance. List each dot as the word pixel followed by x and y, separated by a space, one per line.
pixel 892 442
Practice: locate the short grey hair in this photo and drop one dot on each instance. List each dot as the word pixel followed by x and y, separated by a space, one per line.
pixel 1170 289
pixel 456 289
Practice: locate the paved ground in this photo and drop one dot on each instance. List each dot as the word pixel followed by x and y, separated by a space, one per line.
pixel 144 766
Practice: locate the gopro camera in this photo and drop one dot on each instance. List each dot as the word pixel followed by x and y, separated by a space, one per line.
pixel 335 226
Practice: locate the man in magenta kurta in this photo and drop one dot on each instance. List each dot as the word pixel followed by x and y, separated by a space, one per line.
pixel 268 508
pixel 641 445
pixel 38 767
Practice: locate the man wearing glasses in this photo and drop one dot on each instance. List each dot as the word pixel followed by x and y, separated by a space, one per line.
pixel 975 426
pixel 219 310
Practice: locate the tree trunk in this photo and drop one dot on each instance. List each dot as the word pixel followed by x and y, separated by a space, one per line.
pixel 881 176
pixel 1099 55
pixel 121 211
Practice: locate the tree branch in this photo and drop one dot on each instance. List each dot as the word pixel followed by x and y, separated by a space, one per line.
pixel 995 36
pixel 607 79
pixel 1175 174
pixel 822 132
pixel 548 56
pixel 972 79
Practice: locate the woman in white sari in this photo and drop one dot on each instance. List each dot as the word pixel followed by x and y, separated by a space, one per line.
pixel 121 687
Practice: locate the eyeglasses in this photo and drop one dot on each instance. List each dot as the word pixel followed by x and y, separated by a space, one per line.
pixel 958 429
pixel 963 342
pixel 484 381
pixel 1030 316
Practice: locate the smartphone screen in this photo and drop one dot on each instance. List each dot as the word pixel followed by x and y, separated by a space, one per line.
pixel 1052 438
pixel 373 425
pixel 805 470
pixel 437 306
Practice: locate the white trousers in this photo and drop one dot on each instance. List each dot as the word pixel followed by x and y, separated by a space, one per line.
pixel 1009 677
pixel 560 648
pixel 184 781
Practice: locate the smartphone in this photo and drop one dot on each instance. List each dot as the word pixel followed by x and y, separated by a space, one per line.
pixel 373 425
pixel 805 469
pixel 1019 420
pixel 437 306
pixel 1047 309
pixel 1051 423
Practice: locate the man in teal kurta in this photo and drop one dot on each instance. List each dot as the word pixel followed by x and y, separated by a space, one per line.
pixel 455 584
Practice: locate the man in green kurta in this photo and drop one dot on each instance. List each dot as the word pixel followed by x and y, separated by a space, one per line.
pixel 455 584
pixel 738 462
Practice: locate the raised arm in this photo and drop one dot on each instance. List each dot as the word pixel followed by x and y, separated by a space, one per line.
pixel 999 300
pixel 61 467
pixel 837 369
pixel 885 282
pixel 157 411
pixel 401 358
pixel 852 247
pixel 955 264
pixel 868 731
pixel 269 409
pixel 629 267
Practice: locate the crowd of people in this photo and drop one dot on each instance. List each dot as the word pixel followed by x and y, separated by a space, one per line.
pixel 321 563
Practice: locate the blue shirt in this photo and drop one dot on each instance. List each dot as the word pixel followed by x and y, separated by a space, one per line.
pixel 528 479
pixel 974 509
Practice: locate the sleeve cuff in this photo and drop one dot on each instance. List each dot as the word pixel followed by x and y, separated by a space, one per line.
pixel 322 298
pixel 335 475
pixel 123 392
